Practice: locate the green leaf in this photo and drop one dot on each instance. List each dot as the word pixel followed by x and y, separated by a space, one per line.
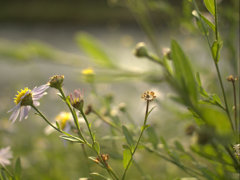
pixel 210 6
pixel 96 146
pixel 127 155
pixel 216 47
pixel 128 136
pixel 18 169
pixel 71 138
pixel 184 74
pixel 217 119
pixel 209 23
pixel 94 50
pixel 3 175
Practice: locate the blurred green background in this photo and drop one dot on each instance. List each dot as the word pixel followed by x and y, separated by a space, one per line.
pixel 41 38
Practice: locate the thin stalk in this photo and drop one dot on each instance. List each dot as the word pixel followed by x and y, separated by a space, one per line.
pixel 139 138
pixel 105 120
pixel 224 95
pixel 235 104
pixel 45 119
pixel 106 166
pixel 73 114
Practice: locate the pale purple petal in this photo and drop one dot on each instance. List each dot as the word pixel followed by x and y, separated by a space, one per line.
pixel 24 112
pixel 5 155
pixel 38 96
pixel 15 114
pixel 25 116
pixel 40 89
pixel 67 127
pixel 15 107
pixel 36 103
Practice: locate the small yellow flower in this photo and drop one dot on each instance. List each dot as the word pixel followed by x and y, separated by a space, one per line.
pixel 88 71
pixel 149 95
pixel 63 118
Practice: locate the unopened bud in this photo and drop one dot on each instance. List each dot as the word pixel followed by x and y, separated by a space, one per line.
pixel 56 81
pixel 141 50
pixel 167 53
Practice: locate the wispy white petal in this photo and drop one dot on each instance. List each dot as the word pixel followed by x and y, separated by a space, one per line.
pixel 5 155
pixel 36 103
pixel 40 89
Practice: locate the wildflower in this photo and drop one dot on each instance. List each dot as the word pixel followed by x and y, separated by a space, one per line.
pixel 141 50
pixel 25 99
pixel 64 120
pixel 5 155
pixel 88 71
pixel 56 81
pixel 236 147
pixel 76 100
pixel 149 95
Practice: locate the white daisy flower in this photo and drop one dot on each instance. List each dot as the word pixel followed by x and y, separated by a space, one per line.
pixel 24 100
pixel 5 155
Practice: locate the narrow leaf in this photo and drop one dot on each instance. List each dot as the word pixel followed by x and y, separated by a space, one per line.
pixel 128 136
pixel 100 175
pixel 94 50
pixel 216 47
pixel 18 169
pixel 210 6
pixel 71 139
pixel 96 146
pixel 127 155
pixel 184 73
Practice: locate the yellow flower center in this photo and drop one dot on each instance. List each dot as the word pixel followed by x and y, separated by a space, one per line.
pixel 63 118
pixel 20 94
pixel 88 71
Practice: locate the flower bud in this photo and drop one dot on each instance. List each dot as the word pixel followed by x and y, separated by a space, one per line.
pixel 76 100
pixel 141 50
pixel 56 81
pixel 167 53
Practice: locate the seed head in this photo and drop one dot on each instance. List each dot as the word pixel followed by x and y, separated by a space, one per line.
pixel 149 96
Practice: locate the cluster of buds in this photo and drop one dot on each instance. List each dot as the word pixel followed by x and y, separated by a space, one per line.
pixel 149 96
pixel 104 157
pixel 56 81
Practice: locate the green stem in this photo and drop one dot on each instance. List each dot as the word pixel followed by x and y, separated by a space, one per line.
pixel 73 114
pixel 235 106
pixel 106 166
pixel 44 118
pixel 139 138
pixel 215 62
pixel 7 171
